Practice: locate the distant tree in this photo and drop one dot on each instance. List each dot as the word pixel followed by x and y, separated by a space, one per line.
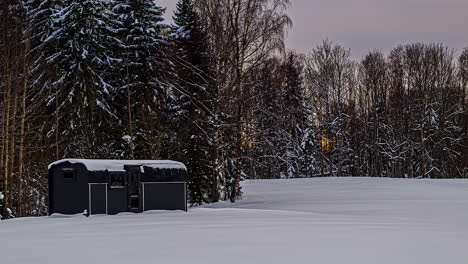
pixel 296 127
pixel 241 35
pixel 425 112
pixel 463 66
pixel 331 78
pixel 372 97
pixel 265 141
pixel 299 106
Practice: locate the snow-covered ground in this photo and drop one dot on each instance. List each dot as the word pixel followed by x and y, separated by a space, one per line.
pixel 323 220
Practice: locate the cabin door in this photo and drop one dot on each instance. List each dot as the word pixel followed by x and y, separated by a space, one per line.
pixel 97 198
pixel 134 189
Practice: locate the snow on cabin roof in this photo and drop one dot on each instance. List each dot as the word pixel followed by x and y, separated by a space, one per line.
pixel 118 165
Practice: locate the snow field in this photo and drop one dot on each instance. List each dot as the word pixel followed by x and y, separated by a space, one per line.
pixel 321 220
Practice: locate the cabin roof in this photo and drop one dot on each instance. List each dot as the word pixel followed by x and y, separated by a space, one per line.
pixel 118 165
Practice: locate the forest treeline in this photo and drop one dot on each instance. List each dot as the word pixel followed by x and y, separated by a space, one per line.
pixel 219 91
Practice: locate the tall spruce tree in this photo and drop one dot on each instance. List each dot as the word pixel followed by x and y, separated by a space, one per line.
pixel 79 94
pixel 139 90
pixel 193 98
pixel 267 114
pixel 296 128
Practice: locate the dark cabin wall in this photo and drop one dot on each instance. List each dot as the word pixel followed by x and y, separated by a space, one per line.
pixel 164 189
pixel 163 175
pixel 165 196
pixel 68 196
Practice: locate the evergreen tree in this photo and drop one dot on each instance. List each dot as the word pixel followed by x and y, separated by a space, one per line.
pixel 295 117
pixel 79 94
pixel 139 89
pixel 193 102
pixel 267 114
pixel 44 72
pixel 40 13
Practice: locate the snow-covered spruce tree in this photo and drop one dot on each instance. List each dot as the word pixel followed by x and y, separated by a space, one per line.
pixel 43 72
pixel 139 91
pixel 309 165
pixel 40 15
pixel 297 129
pixel 193 99
pixel 79 95
pixel 266 113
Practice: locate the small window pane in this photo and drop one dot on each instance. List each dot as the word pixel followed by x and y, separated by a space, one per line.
pixel 117 180
pixel 134 203
pixel 69 174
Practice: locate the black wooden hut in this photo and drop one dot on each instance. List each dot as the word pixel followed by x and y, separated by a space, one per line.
pixel 114 186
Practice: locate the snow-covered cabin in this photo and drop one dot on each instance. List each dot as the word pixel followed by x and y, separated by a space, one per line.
pixel 114 186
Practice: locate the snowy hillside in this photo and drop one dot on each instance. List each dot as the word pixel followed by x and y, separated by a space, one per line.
pixel 329 220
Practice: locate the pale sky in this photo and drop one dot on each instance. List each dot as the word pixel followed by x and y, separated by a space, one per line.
pixel 364 25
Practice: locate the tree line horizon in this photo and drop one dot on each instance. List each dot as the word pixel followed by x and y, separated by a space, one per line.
pixel 219 91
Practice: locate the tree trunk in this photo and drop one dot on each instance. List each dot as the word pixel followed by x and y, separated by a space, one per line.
pixel 13 146
pixel 6 202
pixel 20 210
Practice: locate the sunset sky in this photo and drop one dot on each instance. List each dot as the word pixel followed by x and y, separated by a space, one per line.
pixel 363 25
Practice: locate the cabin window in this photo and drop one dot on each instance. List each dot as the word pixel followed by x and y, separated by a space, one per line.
pixel 134 202
pixel 117 180
pixel 69 174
